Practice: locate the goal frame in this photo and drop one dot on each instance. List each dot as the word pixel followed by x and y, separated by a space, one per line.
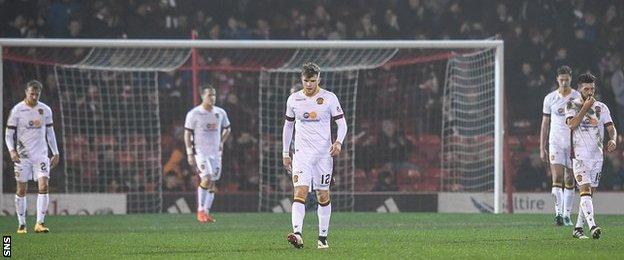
pixel 499 127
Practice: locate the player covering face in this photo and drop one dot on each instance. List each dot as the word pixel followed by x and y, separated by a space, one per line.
pixel 588 118
pixel 309 112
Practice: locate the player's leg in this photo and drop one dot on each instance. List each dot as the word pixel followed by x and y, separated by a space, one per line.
pixel 322 179
pixel 213 176
pixel 556 171
pixel 301 178
pixel 23 172
pixel 20 206
pixel 42 205
pixel 583 175
pixel 568 196
pixel 202 189
pixel 42 174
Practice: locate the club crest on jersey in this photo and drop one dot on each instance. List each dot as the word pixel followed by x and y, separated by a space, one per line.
pixel 597 109
pixel 579 178
pixel 560 111
pixel 320 101
pixel 217 116
pixel 40 111
pixel 552 157
pixel 295 178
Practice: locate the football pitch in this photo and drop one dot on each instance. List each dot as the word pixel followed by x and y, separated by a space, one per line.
pixel 352 235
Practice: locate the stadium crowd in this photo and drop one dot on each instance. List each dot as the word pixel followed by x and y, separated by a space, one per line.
pixel 540 35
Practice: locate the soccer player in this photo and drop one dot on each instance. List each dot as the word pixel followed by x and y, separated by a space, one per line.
pixel 206 129
pixel 588 118
pixel 310 112
pixel 29 132
pixel 556 134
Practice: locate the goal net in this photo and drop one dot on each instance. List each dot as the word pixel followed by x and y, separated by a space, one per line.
pixel 422 116
pixel 111 124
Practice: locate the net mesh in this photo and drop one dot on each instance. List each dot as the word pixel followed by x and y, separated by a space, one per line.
pixel 111 123
pixel 468 123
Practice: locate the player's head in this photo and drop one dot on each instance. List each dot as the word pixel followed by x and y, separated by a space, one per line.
pixel 564 76
pixel 310 76
pixel 33 91
pixel 209 95
pixel 586 84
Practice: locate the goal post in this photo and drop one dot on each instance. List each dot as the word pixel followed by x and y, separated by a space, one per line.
pixel 349 46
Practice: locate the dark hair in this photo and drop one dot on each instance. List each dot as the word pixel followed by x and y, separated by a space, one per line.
pixel 34 84
pixel 310 69
pixel 564 70
pixel 208 87
pixel 586 78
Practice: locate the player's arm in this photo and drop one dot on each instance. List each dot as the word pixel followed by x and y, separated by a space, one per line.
pixel 574 119
pixel 338 117
pixel 287 133
pixel 544 137
pixel 227 129
pixel 51 138
pixel 611 131
pixel 9 137
pixel 545 130
pixel 188 141
pixel 612 144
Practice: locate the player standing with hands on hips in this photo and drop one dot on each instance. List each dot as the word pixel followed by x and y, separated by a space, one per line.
pixel 310 112
pixel 29 132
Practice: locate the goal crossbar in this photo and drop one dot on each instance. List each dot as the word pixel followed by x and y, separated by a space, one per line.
pixel 301 44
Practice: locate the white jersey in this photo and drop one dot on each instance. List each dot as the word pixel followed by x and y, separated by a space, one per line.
pixel 313 117
pixel 588 137
pixel 554 107
pixel 206 127
pixel 30 124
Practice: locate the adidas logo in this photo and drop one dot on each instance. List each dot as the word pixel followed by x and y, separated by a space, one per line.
pixel 389 205
pixel 180 207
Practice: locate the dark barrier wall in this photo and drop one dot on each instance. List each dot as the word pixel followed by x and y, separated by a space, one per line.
pixel 248 202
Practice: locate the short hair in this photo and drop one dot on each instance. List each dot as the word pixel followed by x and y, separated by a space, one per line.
pixel 34 84
pixel 208 87
pixel 310 69
pixel 564 70
pixel 586 78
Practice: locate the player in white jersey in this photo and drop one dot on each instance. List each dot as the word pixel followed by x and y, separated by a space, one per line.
pixel 555 141
pixel 206 129
pixel 588 119
pixel 29 132
pixel 310 112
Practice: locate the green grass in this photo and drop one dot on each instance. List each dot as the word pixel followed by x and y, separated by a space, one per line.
pixel 352 235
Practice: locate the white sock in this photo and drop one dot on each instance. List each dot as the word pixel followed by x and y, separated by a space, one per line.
pixel 324 214
pixel 201 198
pixel 208 201
pixel 558 193
pixel 588 207
pixel 297 214
pixel 20 209
pixel 42 207
pixel 580 220
pixel 568 197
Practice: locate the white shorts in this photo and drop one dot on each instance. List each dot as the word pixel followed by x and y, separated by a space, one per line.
pixel 209 166
pixel 312 170
pixel 32 169
pixel 587 172
pixel 559 155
